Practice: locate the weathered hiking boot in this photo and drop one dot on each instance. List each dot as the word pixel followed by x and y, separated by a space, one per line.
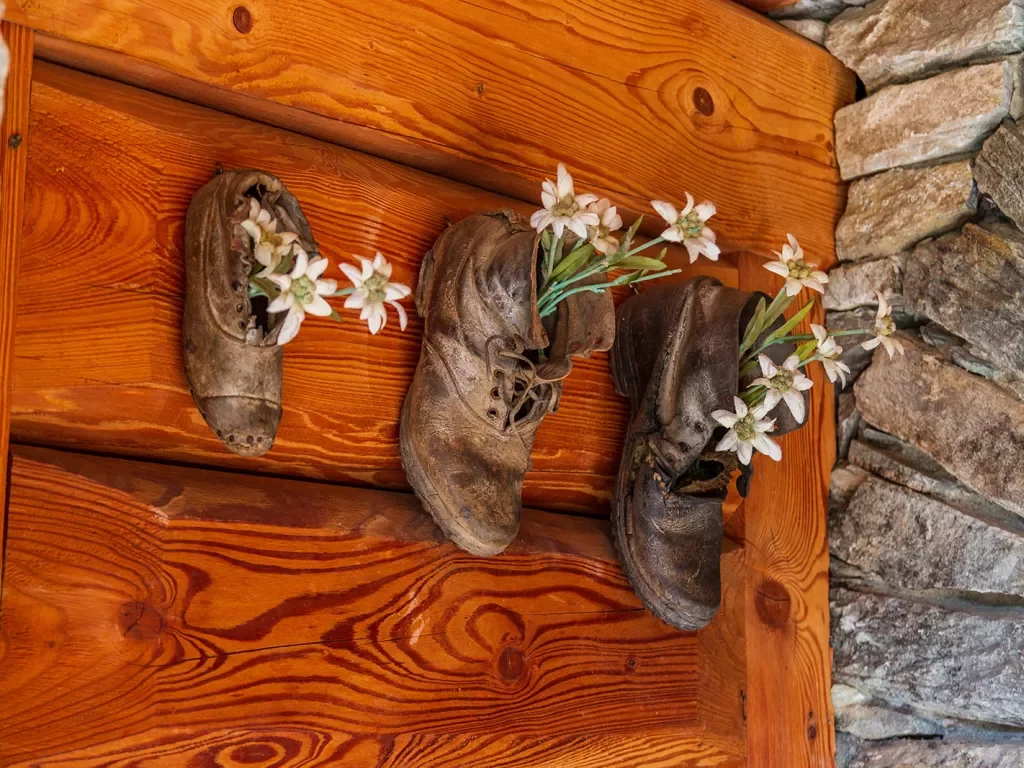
pixel 232 359
pixel 676 357
pixel 481 389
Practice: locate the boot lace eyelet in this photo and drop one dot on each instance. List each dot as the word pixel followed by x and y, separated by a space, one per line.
pixel 493 413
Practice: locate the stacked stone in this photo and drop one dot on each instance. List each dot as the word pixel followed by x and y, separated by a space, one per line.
pixel 927 507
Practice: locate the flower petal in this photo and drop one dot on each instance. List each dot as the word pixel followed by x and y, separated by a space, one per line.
pixel 301 264
pixel 317 267
pixel 777 267
pixel 403 318
pixel 706 210
pixel 318 306
pixel 745 452
pixel 796 404
pixel 326 287
pixel 725 418
pixel 282 303
pixel 667 211
pixel 767 446
pixel 289 328
pixel 728 443
pixel 352 274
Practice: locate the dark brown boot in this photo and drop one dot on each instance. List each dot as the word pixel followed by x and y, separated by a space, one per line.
pixel 676 357
pixel 481 387
pixel 232 359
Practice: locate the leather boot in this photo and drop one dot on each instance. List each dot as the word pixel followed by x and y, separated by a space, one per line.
pixel 489 372
pixel 676 357
pixel 232 359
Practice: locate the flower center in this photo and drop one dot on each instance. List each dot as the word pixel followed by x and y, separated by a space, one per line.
pixel 885 327
pixel 799 270
pixel 565 207
pixel 691 225
pixel 745 428
pixel 304 289
pixel 782 381
pixel 376 288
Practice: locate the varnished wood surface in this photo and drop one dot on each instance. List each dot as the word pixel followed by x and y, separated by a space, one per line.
pixel 642 100
pixel 159 615
pixel 13 152
pixel 789 662
pixel 98 363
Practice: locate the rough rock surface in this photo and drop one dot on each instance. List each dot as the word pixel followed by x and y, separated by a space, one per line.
pixel 938 754
pixel 847 422
pixel 859 715
pixel 901 463
pixel 893 41
pixel 895 210
pixel 945 115
pixel 972 283
pixel 915 542
pixel 936 661
pixel 970 426
pixel 854 285
pixel 812 29
pixel 999 170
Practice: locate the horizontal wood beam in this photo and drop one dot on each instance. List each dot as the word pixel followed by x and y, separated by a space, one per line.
pixel 157 613
pixel 98 362
pixel 642 100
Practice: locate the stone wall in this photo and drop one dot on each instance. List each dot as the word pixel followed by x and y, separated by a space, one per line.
pixel 926 524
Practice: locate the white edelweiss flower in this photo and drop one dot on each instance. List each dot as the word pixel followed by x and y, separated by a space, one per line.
pixel 747 428
pixel 563 208
pixel 785 383
pixel 884 329
pixel 601 235
pixel 798 273
pixel 828 353
pixel 268 245
pixel 373 290
pixel 302 291
pixel 689 227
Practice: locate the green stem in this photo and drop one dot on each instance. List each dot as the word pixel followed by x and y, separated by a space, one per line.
pixel 551 304
pixel 645 246
pixel 345 291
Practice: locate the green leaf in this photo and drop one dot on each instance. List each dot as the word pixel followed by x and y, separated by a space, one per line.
pixel 754 328
pixel 640 262
pixel 556 253
pixel 790 324
pixel 572 263
pixel 627 240
pixel 805 350
pixel 264 286
pixel 778 306
pixel 334 315
pixel 545 240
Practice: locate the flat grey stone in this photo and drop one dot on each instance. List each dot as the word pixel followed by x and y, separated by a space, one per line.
pixel 865 718
pixel 999 170
pixel 854 285
pixel 812 29
pixel 894 41
pixel 845 479
pixel 814 9
pixel 938 662
pixel 900 462
pixel 937 754
pixel 970 426
pixel 916 542
pixel 972 283
pixel 894 211
pixel 948 114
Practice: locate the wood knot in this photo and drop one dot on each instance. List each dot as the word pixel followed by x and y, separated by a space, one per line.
pixel 253 753
pixel 703 102
pixel 15 141
pixel 773 603
pixel 242 19
pixel 140 621
pixel 511 664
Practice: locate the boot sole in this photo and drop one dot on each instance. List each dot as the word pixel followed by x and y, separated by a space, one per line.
pixel 687 617
pixel 419 481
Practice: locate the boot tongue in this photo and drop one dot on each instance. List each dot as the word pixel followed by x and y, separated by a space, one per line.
pixel 582 324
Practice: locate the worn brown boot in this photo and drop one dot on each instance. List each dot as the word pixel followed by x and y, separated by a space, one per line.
pixel 232 359
pixel 481 387
pixel 676 357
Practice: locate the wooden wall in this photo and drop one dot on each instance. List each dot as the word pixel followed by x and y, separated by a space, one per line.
pixel 544 655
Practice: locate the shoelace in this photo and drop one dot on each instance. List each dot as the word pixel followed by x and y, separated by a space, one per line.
pixel 524 378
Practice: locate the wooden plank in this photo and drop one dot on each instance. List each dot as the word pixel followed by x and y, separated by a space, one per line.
pixel 789 663
pixel 103 371
pixel 13 151
pixel 156 613
pixel 652 99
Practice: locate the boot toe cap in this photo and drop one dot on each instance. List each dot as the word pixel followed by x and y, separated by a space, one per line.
pixel 246 425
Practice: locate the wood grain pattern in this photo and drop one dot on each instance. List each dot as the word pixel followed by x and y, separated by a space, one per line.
pixel 13 152
pixel 170 616
pixel 104 372
pixel 642 100
pixel 789 663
